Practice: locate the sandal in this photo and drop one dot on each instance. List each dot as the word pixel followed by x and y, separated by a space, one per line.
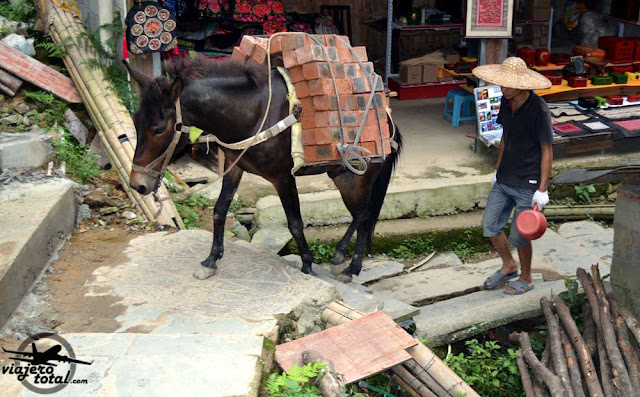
pixel 520 287
pixel 497 279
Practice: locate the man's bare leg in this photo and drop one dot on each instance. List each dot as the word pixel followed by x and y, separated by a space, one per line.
pixel 524 253
pixel 501 244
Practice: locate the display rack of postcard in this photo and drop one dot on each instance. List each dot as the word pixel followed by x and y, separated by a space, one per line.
pixel 488 99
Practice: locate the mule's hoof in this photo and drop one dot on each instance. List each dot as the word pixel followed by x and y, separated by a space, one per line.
pixel 344 278
pixel 338 269
pixel 204 273
pixel 337 260
pixel 308 270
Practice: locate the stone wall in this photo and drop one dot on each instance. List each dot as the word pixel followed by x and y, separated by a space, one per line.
pixel 625 270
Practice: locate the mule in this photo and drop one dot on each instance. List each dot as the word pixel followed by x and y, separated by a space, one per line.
pixel 229 99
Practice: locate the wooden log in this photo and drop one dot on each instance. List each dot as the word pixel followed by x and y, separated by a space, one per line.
pixel 629 355
pixel 587 285
pixel 572 365
pixel 444 375
pixel 621 378
pixel 412 381
pixel 328 383
pixel 549 379
pixel 561 211
pixel 557 352
pixel 425 378
pixel 589 330
pixel 11 82
pixel 538 385
pixel 586 363
pixel 605 368
pixel 527 384
pixel 404 385
pixel 632 324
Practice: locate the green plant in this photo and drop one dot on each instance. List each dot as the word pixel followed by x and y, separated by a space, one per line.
pixel 53 109
pixel 191 208
pixel 53 50
pixel 296 381
pixel 20 12
pixel 583 193
pixel 538 342
pixel 489 370
pixel 106 60
pixel 464 249
pixel 236 205
pixel 80 164
pixel 322 253
pixel 412 247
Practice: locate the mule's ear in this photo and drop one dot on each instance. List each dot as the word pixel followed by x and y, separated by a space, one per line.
pixel 176 89
pixel 136 75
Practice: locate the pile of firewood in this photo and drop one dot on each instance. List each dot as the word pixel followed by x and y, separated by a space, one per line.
pixel 602 361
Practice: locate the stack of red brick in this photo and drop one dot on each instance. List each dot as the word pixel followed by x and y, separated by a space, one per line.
pixel 306 60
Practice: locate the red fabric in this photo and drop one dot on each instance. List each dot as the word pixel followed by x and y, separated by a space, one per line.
pixel 269 12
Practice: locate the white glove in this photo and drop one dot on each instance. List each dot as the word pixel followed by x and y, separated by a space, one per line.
pixel 540 198
pixel 494 177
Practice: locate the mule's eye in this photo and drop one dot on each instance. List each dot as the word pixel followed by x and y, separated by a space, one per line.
pixel 158 131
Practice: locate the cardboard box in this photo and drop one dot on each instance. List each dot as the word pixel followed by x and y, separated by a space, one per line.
pixel 411 74
pixel 429 74
pixel 452 57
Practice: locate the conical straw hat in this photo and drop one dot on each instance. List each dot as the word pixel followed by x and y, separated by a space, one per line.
pixel 512 73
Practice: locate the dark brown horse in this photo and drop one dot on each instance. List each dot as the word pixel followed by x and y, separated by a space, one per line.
pixel 229 100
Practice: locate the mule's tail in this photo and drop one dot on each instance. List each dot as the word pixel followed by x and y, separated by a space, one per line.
pixel 380 186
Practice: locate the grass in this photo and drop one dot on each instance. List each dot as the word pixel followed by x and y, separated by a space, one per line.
pixel 192 208
pixel 80 164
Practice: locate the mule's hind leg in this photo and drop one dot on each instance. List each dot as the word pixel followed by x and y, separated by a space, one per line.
pixel 230 184
pixel 288 193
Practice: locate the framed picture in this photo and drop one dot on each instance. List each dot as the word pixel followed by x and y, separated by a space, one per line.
pixel 489 19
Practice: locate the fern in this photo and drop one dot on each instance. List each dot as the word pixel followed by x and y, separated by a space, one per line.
pixel 296 381
pixel 53 50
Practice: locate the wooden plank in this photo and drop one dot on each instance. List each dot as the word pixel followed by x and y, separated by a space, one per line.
pixel 590 146
pixel 37 73
pixel 358 349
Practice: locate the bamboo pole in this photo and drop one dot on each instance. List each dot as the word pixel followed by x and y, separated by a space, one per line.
pixel 425 378
pixel 404 385
pixel 106 111
pixel 338 312
pixel 413 383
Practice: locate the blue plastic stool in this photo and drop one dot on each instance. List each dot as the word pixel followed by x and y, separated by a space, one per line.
pixel 462 108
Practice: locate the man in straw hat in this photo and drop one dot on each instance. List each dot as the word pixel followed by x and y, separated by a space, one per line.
pixel 523 167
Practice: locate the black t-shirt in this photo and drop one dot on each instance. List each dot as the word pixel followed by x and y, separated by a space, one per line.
pixel 524 132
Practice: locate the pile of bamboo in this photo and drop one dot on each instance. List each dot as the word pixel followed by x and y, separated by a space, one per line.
pixel 110 117
pixel 424 375
pixel 603 360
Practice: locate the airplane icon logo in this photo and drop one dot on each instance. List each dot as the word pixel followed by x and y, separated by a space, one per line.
pixel 43 358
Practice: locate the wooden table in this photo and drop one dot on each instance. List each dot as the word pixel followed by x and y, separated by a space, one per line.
pixel 563 92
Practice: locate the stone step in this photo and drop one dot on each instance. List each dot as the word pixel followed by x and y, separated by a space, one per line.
pixel 360 297
pixel 460 318
pixel 566 255
pixel 427 198
pixel 35 219
pixel 377 270
pixel 161 365
pixel 24 150
pixel 435 284
pixel 595 239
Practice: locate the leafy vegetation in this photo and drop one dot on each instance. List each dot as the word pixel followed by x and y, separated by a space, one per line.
pixel 322 253
pixel 583 192
pixel 106 60
pixel 53 50
pixel 191 209
pixel 412 247
pixel 488 369
pixel 80 164
pixel 51 109
pixel 23 11
pixel 296 381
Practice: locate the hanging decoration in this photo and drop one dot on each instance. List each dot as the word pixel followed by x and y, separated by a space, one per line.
pixel 213 8
pixel 269 13
pixel 489 19
pixel 151 27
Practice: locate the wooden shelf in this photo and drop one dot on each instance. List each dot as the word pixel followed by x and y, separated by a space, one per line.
pixel 443 26
pixel 564 87
pixel 622 21
pixel 454 73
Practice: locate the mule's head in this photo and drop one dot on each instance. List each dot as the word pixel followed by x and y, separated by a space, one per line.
pixel 154 122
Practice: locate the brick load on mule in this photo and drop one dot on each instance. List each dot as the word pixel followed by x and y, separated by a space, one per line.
pixel 318 66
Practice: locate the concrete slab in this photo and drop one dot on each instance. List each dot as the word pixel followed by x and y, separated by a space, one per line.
pixel 565 255
pixel 23 150
pixel 427 198
pixel 156 283
pixel 157 365
pixel 35 219
pixel 442 259
pixel 459 318
pixel 594 238
pixel 373 271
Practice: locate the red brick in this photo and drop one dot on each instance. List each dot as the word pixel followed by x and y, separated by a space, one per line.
pixel 329 102
pixel 246 45
pixel 307 105
pixel 259 54
pixel 327 119
pixel 296 74
pixel 290 59
pixel 353 70
pixel 361 53
pixel 329 40
pixel 372 133
pixel 361 85
pixel 316 70
pixel 308 54
pixel 238 55
pixel 379 100
pixel 302 89
pixel 318 153
pixel 308 120
pixel 323 136
pixel 342 39
pixel 276 45
pixel 308 137
pixel 326 87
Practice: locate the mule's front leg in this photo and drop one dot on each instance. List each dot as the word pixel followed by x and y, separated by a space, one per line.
pixel 230 184
pixel 289 197
pixel 355 266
